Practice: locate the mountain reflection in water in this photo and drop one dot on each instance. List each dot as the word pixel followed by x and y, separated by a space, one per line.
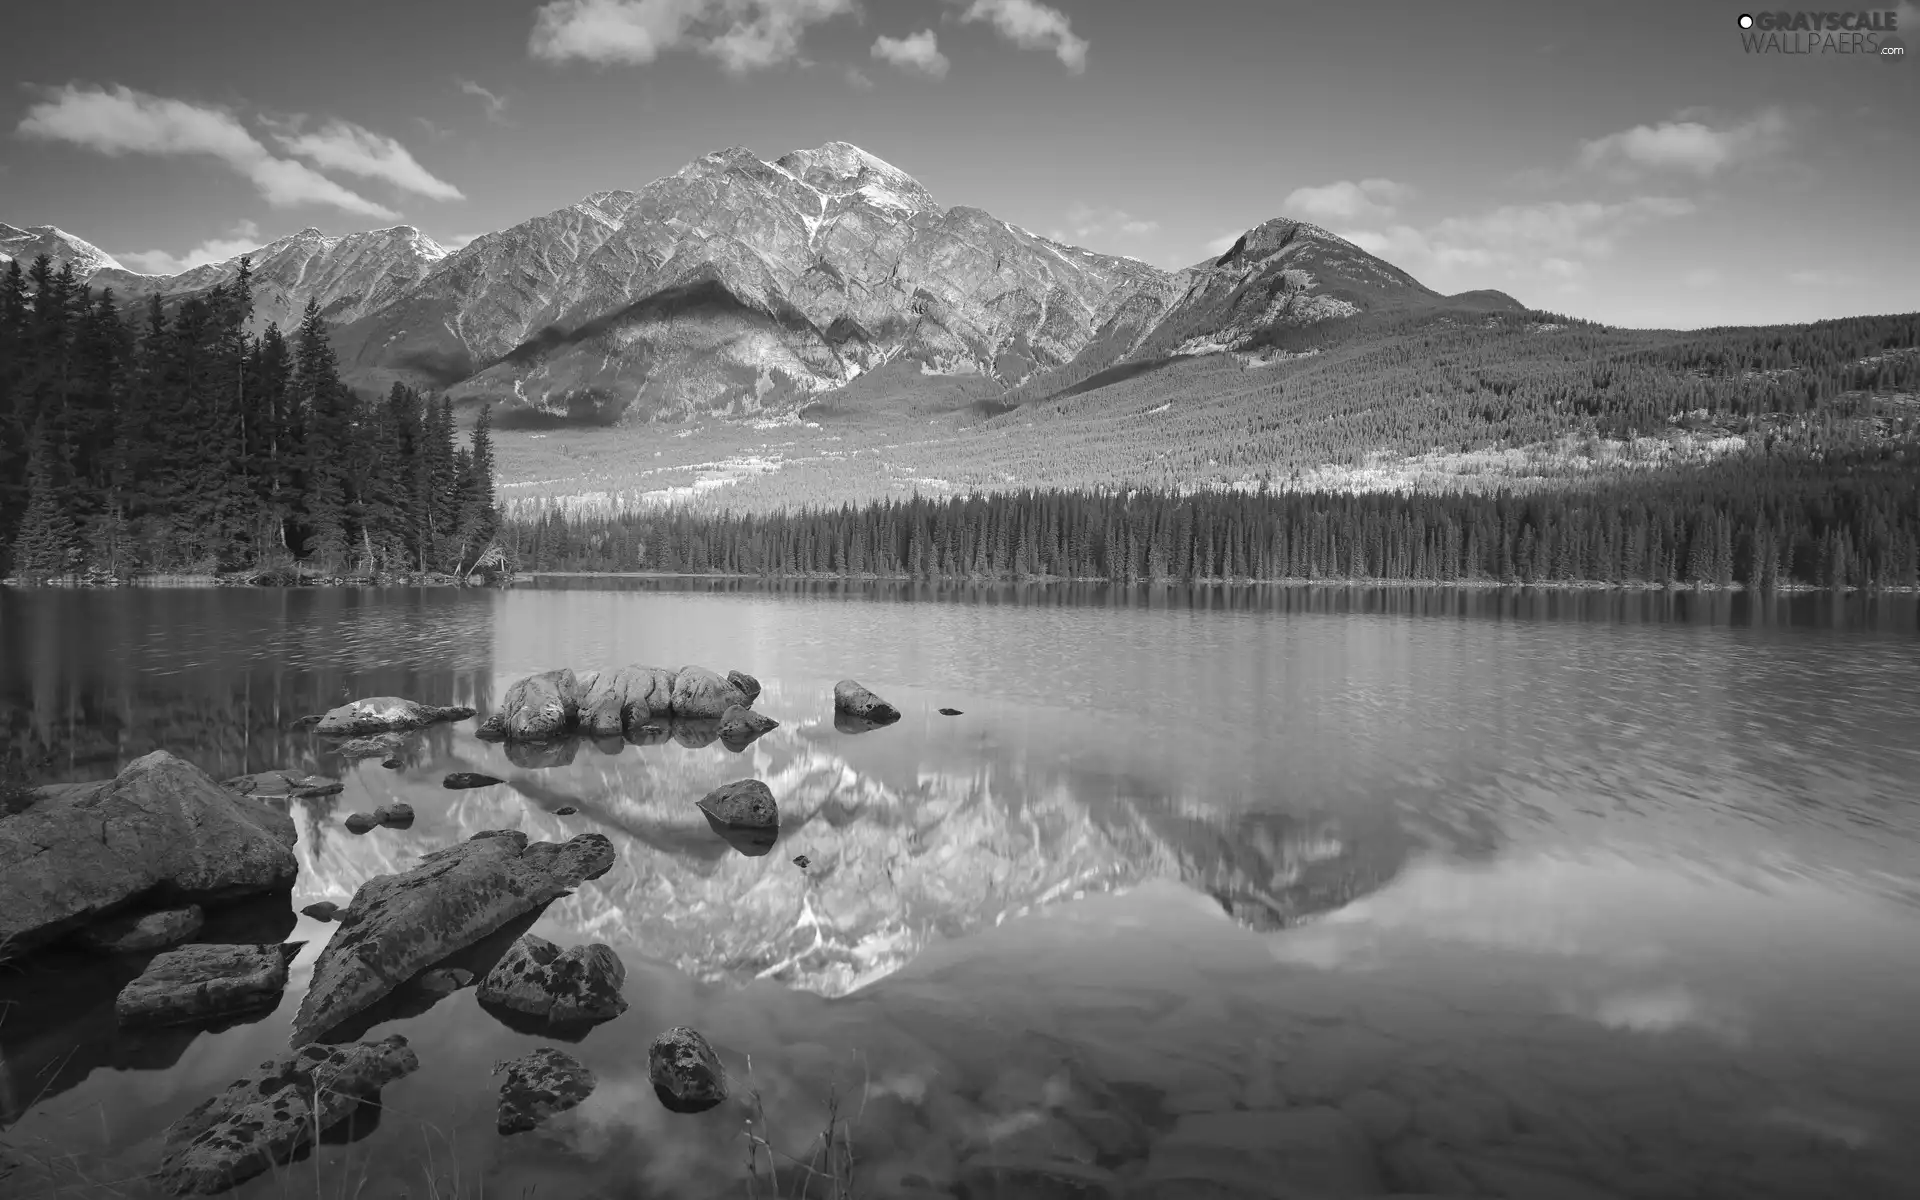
pixel 1445 896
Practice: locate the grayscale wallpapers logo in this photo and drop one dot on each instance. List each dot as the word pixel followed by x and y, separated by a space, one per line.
pixel 1869 34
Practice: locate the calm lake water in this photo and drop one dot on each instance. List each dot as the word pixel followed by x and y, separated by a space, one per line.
pixel 1284 892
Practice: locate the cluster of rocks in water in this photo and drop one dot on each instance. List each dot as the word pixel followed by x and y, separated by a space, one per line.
pixel 128 865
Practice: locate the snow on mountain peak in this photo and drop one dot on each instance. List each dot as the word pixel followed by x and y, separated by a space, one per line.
pixel 57 244
pixel 843 169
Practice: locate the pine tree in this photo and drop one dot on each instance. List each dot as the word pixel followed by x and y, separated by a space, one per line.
pixel 47 543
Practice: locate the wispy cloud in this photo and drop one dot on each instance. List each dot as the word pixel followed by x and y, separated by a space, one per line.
pixel 1555 240
pixel 742 35
pixel 1689 143
pixel 1347 200
pixel 343 146
pixel 119 120
pixel 1086 221
pixel 1031 26
pixel 244 238
pixel 916 52
pixel 496 105
pixel 857 78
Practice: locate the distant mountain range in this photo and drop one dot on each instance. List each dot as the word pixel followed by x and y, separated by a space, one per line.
pixel 737 285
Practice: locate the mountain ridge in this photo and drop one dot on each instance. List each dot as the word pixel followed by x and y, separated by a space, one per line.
pixel 739 285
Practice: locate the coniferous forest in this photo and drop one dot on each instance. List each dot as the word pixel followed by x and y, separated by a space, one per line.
pixel 169 440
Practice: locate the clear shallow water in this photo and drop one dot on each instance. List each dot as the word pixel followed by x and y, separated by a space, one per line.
pixel 1532 894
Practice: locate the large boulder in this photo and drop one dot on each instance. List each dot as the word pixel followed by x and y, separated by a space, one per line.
pixel 269 1116
pixel 748 685
pixel 743 804
pixel 160 832
pixel 703 695
pixel 622 699
pixel 384 714
pixel 398 925
pixel 539 707
pixel 856 701
pixel 203 982
pixel 685 1072
pixel 537 1086
pixel 540 979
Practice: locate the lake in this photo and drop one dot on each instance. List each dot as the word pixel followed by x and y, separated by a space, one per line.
pixel 1205 893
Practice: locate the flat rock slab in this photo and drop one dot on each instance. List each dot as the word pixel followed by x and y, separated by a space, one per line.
pixel 205 982
pixel 537 1086
pixel 283 785
pixel 144 932
pixel 460 780
pixel 384 714
pixel 685 1072
pixel 536 977
pixel 160 828
pixel 398 925
pixel 856 701
pixel 267 1117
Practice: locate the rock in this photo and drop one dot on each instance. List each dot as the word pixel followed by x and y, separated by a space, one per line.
pixel 468 779
pixel 538 708
pixel 443 981
pixel 685 1072
pixel 202 982
pixel 537 1086
pixel 748 685
pixel 392 764
pixel 742 804
pixel 267 1117
pixel 700 694
pixel 381 746
pixel 283 785
pixel 802 861
pixel 398 925
pixel 541 755
pixel 384 714
pixel 538 978
pixel 950 712
pixel 565 810
pixel 360 822
pixel 393 816
pixel 856 701
pixel 138 934
pixel 1317 1150
pixel 322 910
pixel 741 724
pixel 160 827
pixel 624 698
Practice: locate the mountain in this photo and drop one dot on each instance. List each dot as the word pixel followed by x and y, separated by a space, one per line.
pixel 742 286
pixel 62 247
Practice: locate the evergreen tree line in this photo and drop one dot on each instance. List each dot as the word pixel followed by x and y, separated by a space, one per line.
pixel 170 439
pixel 1762 523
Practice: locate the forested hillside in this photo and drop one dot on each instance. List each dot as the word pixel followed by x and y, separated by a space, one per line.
pixel 171 440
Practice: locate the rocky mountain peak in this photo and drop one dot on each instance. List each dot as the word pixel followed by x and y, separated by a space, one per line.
pixel 844 169
pixel 57 244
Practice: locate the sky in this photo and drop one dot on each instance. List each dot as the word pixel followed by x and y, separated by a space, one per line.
pixel 1626 162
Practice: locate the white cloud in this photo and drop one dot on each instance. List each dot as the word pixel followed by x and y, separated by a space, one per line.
pixel 1554 240
pixel 496 105
pixel 741 34
pixel 857 78
pixel 1089 222
pixel 1031 26
pixel 1687 143
pixel 344 146
pixel 244 239
pixel 915 52
pixel 1346 200
pixel 119 120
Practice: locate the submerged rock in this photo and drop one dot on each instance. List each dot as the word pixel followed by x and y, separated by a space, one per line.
pixel 743 804
pixel 700 694
pixel 384 714
pixel 538 708
pixel 739 725
pixel 202 982
pixel 685 1072
pixel 856 701
pixel 565 810
pixel 748 685
pixel 950 712
pixel 138 934
pixel 267 1117
pixel 160 827
pixel 381 746
pixel 468 779
pixel 537 1086
pixel 398 925
pixel 538 978
pixel 283 785
pixel 322 910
